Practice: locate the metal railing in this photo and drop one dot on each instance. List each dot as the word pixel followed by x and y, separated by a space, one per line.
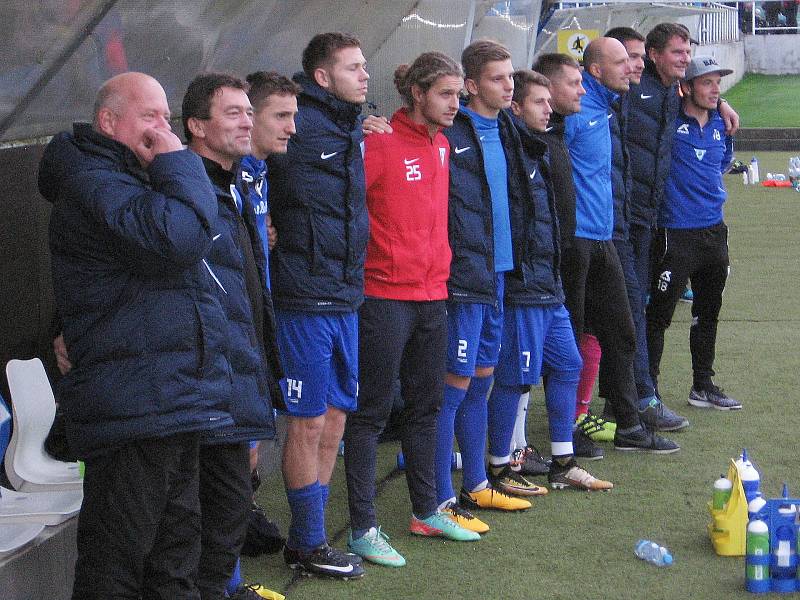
pixel 722 25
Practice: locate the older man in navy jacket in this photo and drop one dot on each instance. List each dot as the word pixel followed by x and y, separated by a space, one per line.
pixel 133 217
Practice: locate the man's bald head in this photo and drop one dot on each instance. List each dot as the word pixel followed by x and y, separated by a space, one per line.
pixel 606 59
pixel 129 105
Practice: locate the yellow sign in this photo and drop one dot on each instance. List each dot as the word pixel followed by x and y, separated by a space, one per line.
pixel 574 41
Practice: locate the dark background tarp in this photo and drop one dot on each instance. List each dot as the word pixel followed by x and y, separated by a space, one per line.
pixel 56 53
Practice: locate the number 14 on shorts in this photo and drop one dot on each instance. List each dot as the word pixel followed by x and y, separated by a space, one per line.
pixel 294 389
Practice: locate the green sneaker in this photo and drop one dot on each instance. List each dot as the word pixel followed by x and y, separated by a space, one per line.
pixel 439 524
pixel 596 428
pixel 374 546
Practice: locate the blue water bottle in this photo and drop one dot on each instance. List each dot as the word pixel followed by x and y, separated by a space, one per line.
pixel 653 553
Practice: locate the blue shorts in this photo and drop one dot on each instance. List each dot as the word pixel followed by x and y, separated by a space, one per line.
pixel 473 334
pixel 536 339
pixel 319 353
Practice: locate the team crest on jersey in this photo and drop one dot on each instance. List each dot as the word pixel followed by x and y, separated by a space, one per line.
pixel 684 129
pixel 441 155
pixel 699 153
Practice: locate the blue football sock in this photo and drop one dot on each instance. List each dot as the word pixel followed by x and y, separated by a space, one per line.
pixel 236 579
pixel 470 428
pixel 307 526
pixel 559 396
pixel 326 490
pixel 453 397
pixel 503 404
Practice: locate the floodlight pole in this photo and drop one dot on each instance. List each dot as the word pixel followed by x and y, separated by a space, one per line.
pixel 470 23
pixel 536 11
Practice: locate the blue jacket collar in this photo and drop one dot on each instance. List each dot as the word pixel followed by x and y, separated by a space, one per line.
pixel 311 90
pixel 598 90
pixel 253 165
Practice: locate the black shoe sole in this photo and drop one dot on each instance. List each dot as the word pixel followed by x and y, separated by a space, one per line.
pixel 305 571
pixel 649 450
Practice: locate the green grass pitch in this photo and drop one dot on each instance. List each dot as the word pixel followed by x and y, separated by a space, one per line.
pixel 575 545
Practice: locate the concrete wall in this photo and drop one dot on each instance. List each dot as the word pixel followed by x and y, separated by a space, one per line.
pixel 773 54
pixel 730 55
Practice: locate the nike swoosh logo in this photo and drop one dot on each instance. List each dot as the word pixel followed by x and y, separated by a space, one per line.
pixel 324 156
pixel 611 115
pixel 532 175
pixel 464 149
pixel 547 129
pixel 592 123
pixel 216 237
pixel 643 97
pixel 324 568
pixel 481 138
pixel 410 161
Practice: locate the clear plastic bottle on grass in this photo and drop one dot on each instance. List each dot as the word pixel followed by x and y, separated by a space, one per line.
pixel 653 553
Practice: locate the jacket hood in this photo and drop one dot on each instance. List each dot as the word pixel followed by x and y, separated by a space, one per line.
pixel 312 92
pixel 252 165
pixel 67 153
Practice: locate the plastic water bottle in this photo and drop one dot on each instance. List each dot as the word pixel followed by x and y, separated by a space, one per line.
pixel 754 170
pixel 653 553
pixel 722 492
pixel 794 171
pixel 756 571
pixel 751 481
pixel 755 508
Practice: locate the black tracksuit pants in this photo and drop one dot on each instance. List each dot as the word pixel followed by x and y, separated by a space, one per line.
pixel 594 286
pixel 409 340
pixel 680 255
pixel 139 527
pixel 226 495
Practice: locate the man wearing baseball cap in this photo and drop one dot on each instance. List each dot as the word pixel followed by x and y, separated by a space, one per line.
pixel 692 238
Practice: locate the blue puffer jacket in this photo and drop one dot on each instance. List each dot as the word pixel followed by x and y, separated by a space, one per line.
pixel 144 329
pixel 542 251
pixel 621 180
pixel 472 272
pixel 317 200
pixel 253 353
pixel 652 112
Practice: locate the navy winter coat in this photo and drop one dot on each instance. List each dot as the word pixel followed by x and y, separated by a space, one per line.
pixel 541 264
pixel 653 110
pixel 317 200
pixel 561 175
pixel 621 181
pixel 145 332
pixel 470 229
pixel 253 352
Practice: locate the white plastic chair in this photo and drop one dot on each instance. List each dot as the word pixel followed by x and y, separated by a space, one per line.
pixel 46 508
pixel 14 536
pixel 28 467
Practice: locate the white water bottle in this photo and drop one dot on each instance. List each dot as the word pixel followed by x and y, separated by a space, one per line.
pixel 653 553
pixel 754 170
